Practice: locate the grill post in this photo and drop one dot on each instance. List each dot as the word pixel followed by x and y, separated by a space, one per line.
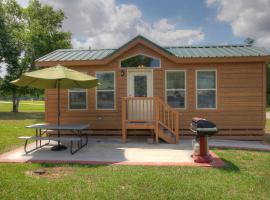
pixel 202 129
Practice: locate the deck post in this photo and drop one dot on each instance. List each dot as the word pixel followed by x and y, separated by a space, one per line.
pixel 124 115
pixel 156 103
pixel 177 128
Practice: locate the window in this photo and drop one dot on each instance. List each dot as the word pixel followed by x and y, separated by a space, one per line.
pixel 140 86
pixel 139 61
pixel 206 89
pixel 77 99
pixel 105 93
pixel 176 88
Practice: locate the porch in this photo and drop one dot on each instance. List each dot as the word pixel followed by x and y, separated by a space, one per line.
pixel 150 113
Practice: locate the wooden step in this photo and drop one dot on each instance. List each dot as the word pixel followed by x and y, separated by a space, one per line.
pixel 163 116
pixel 170 134
pixel 167 137
pixel 140 125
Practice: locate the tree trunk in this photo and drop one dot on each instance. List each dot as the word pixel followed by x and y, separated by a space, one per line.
pixel 15 102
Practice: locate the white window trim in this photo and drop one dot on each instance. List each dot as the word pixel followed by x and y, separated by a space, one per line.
pixel 114 90
pixel 216 89
pixel 185 90
pixel 135 66
pixel 78 109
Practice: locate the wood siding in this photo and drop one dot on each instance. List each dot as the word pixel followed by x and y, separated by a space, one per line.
pixel 241 97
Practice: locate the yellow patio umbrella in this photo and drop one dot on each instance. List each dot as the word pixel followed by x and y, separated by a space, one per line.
pixel 57 77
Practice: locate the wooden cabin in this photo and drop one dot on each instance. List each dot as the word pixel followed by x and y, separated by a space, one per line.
pixel 149 89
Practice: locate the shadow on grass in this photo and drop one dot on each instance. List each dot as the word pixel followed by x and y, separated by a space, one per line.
pixel 231 167
pixel 21 115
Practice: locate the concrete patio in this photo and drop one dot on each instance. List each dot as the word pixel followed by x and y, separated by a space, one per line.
pixel 110 150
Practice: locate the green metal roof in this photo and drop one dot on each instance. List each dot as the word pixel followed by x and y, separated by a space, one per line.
pixel 212 51
pixel 217 51
pixel 76 54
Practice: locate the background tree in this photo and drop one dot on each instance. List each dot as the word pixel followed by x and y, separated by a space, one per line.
pixel 35 31
pixel 249 41
pixel 7 45
pixel 14 30
pixel 44 31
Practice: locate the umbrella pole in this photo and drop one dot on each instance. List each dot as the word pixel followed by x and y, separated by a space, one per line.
pixel 59 147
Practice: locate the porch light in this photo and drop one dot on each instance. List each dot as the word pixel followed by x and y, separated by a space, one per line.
pixel 122 72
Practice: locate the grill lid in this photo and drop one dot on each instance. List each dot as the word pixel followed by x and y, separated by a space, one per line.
pixel 202 123
pixel 203 127
pixel 205 124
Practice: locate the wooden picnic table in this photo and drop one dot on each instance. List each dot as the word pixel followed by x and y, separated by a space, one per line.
pixel 42 128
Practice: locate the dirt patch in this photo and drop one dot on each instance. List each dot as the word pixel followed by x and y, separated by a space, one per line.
pixel 50 172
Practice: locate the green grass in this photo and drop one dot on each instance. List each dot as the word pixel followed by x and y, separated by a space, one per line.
pixel 24 106
pixel 12 125
pixel 247 177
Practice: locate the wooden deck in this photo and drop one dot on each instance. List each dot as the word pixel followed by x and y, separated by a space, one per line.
pixel 150 113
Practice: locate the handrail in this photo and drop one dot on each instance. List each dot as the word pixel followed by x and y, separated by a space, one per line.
pixel 139 98
pixel 169 117
pixel 150 109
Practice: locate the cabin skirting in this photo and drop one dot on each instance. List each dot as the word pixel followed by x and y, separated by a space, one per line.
pixel 236 134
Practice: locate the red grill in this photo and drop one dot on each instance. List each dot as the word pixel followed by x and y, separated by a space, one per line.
pixel 202 129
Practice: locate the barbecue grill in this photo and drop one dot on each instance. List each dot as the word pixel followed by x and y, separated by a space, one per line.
pixel 202 129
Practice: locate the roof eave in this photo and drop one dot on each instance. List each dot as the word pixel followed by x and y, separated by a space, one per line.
pixel 140 37
pixel 144 41
pixel 70 63
pixel 236 59
pixel 188 60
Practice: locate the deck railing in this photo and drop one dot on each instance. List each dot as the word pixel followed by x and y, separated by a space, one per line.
pixel 153 110
pixel 168 117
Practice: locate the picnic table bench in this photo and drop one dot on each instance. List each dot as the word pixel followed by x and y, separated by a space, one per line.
pixel 41 129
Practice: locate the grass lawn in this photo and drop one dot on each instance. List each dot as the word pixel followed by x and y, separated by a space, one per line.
pixel 25 106
pixel 247 177
pixel 13 125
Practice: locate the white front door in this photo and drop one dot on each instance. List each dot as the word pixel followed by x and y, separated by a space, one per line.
pixel 140 84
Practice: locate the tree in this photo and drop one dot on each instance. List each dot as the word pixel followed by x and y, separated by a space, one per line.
pixel 35 31
pixel 14 28
pixel 249 41
pixel 6 46
pixel 1 82
pixel 44 31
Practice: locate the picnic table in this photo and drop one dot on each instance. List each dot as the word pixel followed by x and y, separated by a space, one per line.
pixel 43 128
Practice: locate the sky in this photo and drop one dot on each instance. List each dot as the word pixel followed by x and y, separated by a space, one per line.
pixel 99 24
pixel 111 23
